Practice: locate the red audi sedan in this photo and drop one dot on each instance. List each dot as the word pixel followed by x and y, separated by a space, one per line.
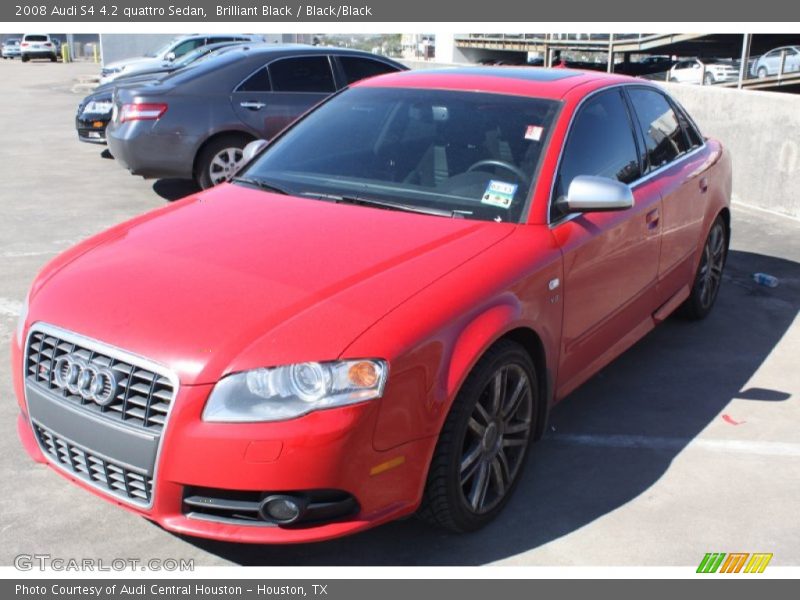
pixel 375 316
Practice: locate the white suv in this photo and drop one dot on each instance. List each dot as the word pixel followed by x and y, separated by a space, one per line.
pixel 37 45
pixel 693 70
pixel 167 53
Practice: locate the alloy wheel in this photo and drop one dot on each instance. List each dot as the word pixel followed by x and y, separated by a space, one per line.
pixel 224 164
pixel 497 436
pixel 709 276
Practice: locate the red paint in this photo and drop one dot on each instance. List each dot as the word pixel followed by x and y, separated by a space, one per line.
pixel 732 421
pixel 234 279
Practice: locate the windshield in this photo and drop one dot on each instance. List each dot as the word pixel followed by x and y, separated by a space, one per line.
pixel 163 49
pixel 472 155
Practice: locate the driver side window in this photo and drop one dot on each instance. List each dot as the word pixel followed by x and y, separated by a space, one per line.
pixel 600 143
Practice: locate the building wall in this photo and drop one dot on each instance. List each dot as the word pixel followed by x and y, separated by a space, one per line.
pixel 762 132
pixel 119 46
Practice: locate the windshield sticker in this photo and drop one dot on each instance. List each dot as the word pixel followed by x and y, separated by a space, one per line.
pixel 499 193
pixel 534 132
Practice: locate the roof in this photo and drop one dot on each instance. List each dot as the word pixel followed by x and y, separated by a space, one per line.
pixel 523 81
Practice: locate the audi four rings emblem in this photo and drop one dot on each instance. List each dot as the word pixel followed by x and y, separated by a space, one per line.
pixel 89 381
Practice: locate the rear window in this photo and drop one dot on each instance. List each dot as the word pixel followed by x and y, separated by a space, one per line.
pixel 35 38
pixel 357 68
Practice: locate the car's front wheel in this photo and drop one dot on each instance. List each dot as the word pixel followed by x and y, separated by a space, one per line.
pixel 219 160
pixel 708 278
pixel 484 441
pixel 762 72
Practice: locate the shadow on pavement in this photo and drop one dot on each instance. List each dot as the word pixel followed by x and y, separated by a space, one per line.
pixel 175 189
pixel 670 385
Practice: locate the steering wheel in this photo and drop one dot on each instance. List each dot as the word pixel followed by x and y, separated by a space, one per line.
pixel 490 162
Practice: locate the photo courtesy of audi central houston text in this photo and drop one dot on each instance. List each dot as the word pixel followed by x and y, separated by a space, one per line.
pixel 374 330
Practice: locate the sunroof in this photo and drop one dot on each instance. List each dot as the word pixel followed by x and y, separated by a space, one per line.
pixel 526 73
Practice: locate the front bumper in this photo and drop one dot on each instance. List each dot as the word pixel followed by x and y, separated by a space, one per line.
pixel 92 128
pixel 325 450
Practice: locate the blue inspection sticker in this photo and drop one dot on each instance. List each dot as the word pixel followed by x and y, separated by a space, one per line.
pixel 499 193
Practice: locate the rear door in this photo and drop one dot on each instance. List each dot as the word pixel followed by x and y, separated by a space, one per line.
pixel 677 168
pixel 282 90
pixel 610 259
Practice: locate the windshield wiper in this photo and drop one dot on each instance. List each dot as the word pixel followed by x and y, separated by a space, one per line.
pixel 260 184
pixel 388 204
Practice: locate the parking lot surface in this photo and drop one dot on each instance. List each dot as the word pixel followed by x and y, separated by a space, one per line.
pixel 687 444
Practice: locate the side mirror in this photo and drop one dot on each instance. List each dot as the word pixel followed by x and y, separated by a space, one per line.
pixel 170 56
pixel 249 152
pixel 596 194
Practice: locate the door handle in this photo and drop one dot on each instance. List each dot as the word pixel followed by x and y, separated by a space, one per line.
pixel 652 219
pixel 252 105
pixel 703 185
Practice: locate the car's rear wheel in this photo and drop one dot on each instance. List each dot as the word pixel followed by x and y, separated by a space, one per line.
pixel 218 161
pixel 708 278
pixel 483 444
pixel 25 58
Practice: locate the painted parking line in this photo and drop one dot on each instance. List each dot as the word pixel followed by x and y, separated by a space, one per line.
pixel 678 444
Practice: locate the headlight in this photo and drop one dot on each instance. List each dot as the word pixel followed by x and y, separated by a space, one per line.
pixel 23 316
pixel 282 393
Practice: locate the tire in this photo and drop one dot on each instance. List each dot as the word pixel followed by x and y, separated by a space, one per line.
pixel 708 277
pixel 476 467
pixel 216 159
pixel 25 58
pixel 54 58
pixel 762 72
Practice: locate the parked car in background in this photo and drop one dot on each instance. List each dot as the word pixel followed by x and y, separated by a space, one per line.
pixel 37 45
pixel 194 124
pixel 11 48
pixel 770 63
pixel 94 111
pixel 375 317
pixel 169 52
pixel 703 72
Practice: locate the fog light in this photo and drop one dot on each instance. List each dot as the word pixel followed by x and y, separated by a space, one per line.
pixel 282 509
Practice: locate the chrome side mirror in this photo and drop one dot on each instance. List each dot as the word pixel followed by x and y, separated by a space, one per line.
pixel 249 152
pixel 596 194
pixel 170 56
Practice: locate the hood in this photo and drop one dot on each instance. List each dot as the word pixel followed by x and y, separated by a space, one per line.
pixel 235 278
pixel 142 62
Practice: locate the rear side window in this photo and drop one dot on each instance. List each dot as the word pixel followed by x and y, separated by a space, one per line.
pixel 357 68
pixel 302 74
pixel 35 38
pixel 689 129
pixel 663 137
pixel 600 143
pixel 257 82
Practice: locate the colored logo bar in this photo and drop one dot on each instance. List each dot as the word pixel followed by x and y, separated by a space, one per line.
pixel 734 562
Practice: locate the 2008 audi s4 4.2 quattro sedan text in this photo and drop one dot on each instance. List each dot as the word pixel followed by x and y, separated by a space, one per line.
pixel 375 315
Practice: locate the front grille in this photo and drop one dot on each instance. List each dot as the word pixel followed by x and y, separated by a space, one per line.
pixel 143 397
pixel 98 471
